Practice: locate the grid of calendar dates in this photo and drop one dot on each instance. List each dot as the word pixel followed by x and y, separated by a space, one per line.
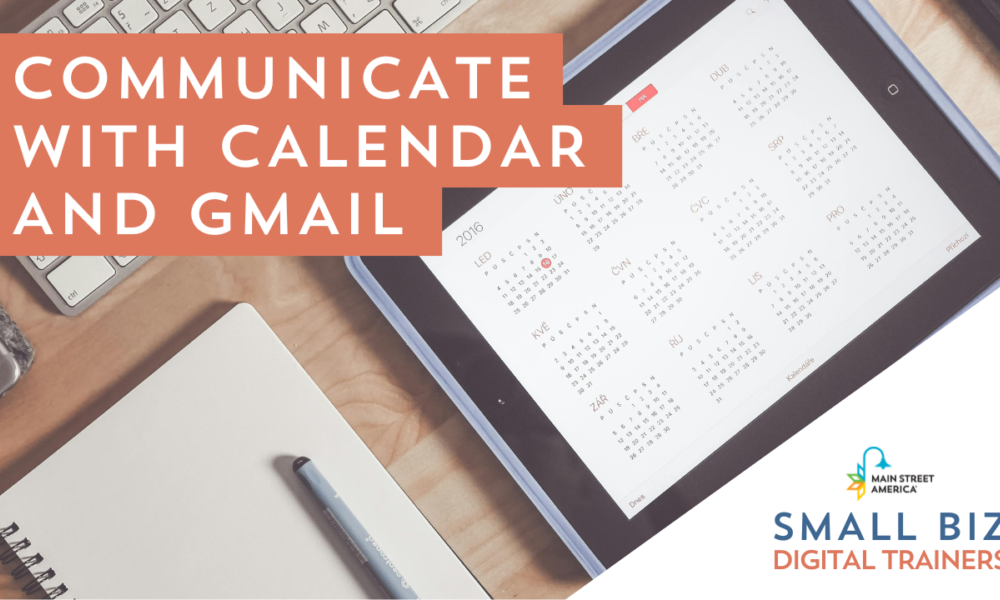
pixel 797 289
pixel 812 156
pixel 655 283
pixel 720 354
pixel 759 87
pixel 741 218
pixel 747 197
pixel 638 418
pixel 677 147
pixel 526 272
pixel 876 227
pixel 596 212
pixel 583 345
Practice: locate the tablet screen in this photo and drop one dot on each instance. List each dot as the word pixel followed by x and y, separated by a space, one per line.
pixel 768 217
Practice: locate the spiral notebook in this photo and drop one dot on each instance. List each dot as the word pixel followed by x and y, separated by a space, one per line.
pixel 184 489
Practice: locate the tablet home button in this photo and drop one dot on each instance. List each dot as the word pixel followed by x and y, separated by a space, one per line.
pixel 893 88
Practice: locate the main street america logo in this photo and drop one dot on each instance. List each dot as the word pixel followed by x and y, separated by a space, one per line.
pixel 881 482
pixel 859 479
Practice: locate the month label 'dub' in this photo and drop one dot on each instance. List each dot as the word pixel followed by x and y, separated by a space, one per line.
pixel 759 87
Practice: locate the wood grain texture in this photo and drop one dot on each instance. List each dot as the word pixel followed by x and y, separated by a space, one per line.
pixel 86 364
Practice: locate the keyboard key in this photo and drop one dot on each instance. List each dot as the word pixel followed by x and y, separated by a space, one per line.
pixel 246 23
pixel 134 15
pixel 80 276
pixel 43 261
pixel 323 20
pixel 177 23
pixel 168 4
pixel 421 14
pixel 357 9
pixel 102 25
pixel 382 23
pixel 81 11
pixel 124 260
pixel 53 25
pixel 212 13
pixel 280 12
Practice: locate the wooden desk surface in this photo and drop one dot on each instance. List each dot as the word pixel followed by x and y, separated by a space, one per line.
pixel 85 364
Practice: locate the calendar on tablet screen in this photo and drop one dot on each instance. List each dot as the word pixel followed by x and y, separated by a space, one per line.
pixel 767 216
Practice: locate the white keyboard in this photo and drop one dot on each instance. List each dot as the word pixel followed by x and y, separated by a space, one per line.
pixel 74 283
pixel 248 16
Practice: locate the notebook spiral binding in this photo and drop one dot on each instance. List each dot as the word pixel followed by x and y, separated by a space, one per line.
pixel 38 578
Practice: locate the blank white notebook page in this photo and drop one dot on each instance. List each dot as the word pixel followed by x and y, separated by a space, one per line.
pixel 184 488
